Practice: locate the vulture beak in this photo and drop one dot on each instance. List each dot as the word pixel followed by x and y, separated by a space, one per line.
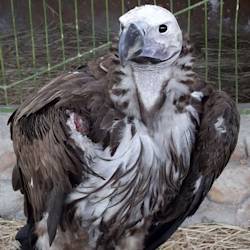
pixel 130 43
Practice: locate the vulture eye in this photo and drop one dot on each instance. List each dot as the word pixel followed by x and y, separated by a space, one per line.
pixel 163 28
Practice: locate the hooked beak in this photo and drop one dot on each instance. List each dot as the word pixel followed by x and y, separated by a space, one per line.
pixel 130 43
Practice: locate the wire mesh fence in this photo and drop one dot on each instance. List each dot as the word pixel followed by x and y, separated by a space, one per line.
pixel 51 36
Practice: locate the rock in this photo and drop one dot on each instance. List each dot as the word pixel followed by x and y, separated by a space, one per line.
pixel 232 187
pixel 243 214
pixel 238 154
pixel 242 150
pixel 11 205
pixel 210 212
pixel 5 142
pixel 244 162
pixel 7 162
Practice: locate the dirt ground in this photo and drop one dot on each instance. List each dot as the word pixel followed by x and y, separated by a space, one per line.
pixel 200 236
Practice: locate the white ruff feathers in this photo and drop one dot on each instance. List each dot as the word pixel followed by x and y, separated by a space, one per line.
pixel 146 153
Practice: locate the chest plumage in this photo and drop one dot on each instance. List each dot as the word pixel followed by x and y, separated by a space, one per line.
pixel 146 170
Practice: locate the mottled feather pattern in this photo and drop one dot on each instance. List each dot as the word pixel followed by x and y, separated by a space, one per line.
pixel 125 183
pixel 130 172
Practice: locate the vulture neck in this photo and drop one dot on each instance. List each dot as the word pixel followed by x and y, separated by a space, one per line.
pixel 142 91
pixel 150 81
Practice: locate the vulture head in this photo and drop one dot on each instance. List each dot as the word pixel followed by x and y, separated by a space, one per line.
pixel 149 34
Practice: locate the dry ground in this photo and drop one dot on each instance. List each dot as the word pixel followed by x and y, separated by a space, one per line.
pixel 197 237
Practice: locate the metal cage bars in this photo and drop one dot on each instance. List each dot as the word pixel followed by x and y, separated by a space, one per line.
pixel 96 48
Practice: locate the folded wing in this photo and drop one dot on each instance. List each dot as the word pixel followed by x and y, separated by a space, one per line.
pixel 215 142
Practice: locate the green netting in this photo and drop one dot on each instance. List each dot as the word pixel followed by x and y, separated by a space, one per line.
pixel 30 57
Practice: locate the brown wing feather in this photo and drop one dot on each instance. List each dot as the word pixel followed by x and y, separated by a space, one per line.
pixel 211 154
pixel 49 164
pixel 45 155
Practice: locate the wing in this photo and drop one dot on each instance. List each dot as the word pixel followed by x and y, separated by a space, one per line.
pixel 49 164
pixel 216 140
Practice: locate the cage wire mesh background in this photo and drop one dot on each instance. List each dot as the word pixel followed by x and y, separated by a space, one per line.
pixel 41 39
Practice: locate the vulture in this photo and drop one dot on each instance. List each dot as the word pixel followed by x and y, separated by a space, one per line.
pixel 116 155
